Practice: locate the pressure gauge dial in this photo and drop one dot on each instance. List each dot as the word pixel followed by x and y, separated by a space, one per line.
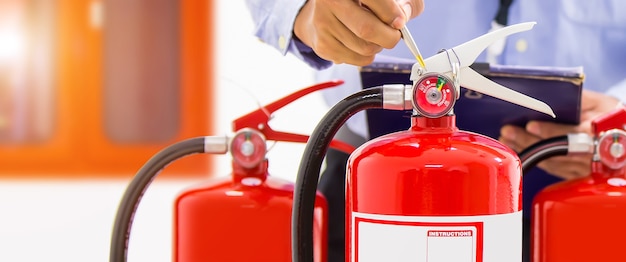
pixel 612 148
pixel 434 95
pixel 248 148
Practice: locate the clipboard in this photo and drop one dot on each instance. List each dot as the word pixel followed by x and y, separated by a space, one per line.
pixel 559 87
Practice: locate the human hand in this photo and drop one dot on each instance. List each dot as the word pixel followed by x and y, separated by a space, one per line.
pixel 353 32
pixel 567 167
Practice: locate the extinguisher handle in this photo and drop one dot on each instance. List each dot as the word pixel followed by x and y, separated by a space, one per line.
pixel 456 62
pixel 270 134
pixel 615 119
pixel 259 119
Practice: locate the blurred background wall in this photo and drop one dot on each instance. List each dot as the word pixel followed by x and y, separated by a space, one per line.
pixel 53 217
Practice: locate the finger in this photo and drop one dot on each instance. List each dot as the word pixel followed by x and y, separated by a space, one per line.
pixel 355 43
pixel 364 24
pixel 507 137
pixel 517 138
pixel 567 167
pixel 319 28
pixel 388 11
pixel 589 100
pixel 512 145
pixel 334 50
pixel 595 104
pixel 549 129
pixel 411 8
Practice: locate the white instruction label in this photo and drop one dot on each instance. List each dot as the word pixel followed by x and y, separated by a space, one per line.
pixel 437 239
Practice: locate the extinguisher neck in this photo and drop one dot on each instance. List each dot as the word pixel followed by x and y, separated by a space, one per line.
pixel 599 170
pixel 444 123
pixel 259 171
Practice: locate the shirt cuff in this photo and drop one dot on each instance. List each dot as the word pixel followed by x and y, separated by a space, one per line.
pixel 306 54
pixel 276 29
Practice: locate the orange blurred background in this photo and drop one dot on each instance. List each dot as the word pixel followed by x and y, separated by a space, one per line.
pixel 90 89
pixel 97 87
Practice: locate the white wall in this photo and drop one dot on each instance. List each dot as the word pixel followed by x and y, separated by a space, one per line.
pixel 72 220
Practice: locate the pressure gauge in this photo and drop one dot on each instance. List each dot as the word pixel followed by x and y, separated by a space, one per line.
pixel 434 95
pixel 612 148
pixel 248 148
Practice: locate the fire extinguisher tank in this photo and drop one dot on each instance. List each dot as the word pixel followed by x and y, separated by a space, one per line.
pixel 432 185
pixel 242 217
pixel 581 219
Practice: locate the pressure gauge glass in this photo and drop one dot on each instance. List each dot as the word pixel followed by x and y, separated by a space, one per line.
pixel 612 148
pixel 248 148
pixel 434 95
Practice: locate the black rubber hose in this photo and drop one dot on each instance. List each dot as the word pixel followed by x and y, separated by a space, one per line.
pixel 310 165
pixel 137 187
pixel 530 157
pixel 542 150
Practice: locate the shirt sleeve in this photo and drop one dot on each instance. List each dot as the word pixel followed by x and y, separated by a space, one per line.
pixel 274 20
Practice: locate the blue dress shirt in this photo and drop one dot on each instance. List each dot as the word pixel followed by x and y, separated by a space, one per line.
pixel 568 33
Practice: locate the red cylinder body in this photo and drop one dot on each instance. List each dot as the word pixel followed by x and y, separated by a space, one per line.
pixel 243 217
pixel 582 219
pixel 434 193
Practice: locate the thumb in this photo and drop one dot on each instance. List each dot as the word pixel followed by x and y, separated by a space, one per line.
pixel 549 129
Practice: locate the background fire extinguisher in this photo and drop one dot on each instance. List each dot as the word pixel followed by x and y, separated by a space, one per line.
pixel 431 193
pixel 583 219
pixel 241 217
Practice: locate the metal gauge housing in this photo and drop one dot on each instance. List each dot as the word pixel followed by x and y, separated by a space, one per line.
pixel 248 148
pixel 612 148
pixel 434 95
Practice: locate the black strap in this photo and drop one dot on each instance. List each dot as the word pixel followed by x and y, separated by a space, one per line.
pixel 502 16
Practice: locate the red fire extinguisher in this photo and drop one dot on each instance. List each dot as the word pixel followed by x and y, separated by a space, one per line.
pixel 584 219
pixel 433 192
pixel 241 217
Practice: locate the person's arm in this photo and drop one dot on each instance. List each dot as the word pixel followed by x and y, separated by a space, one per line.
pixel 274 20
pixel 341 31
